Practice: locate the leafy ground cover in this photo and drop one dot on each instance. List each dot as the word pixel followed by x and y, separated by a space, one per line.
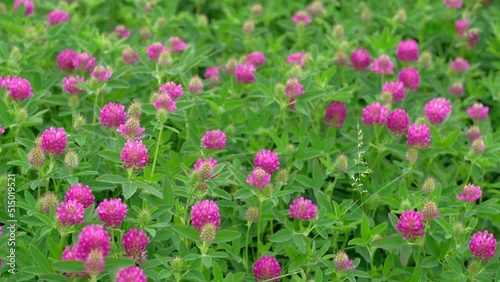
pixel 237 141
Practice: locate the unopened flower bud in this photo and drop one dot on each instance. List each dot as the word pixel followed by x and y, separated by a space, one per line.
pixel 47 201
pixel 425 60
pixel 202 21
pixel 78 123
pixel 366 14
pixel 195 85
pixel 406 205
pixel 429 185
pixel 231 66
pixel 2 9
pixel 177 264
pixel 400 16
pixel 430 211
pixel 252 214
pixel 145 33
pixel 161 116
pixel 36 157
pixel 71 159
pixel 458 229
pixel 248 27
pixel 207 233
pixel 135 110
pixel 144 217
pixel 282 176
pixel 257 9
pixel 340 165
pixel 161 21
pixel 338 31
pixel 15 54
pixel 457 89
pixel 478 146
pixel 386 98
pixel 474 267
pixel 473 133
pixel 340 58
pixel 412 154
pixel 74 100
pixel 295 71
pixel 21 115
pixel 165 59
pixel 279 90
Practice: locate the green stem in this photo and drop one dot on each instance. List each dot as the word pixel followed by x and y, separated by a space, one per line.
pixel 185 217
pixel 156 150
pixel 246 247
pixel 469 174
pixel 95 105
pixel 63 241
pixel 258 228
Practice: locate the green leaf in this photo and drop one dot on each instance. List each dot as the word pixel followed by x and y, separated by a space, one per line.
pixel 207 261
pixel 113 156
pixel 69 266
pixel 429 262
pixel 365 227
pixel 149 189
pixel 53 277
pixel 389 242
pixel 187 231
pixel 110 178
pixel 223 236
pixel 389 262
pixel 39 258
pixel 217 272
pixel 284 235
pixel 129 189
pixel 404 254
pixel 117 83
pixel 117 263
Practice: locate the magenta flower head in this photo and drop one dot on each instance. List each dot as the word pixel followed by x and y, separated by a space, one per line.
pixel 453 4
pixel 267 268
pixel 28 6
pixel 478 112
pixel 195 85
pixel 408 51
pixel 383 65
pixel 205 167
pixel 131 130
pixel 301 16
pixel 267 160
pixel 398 121
pixel 205 212
pixel 470 193
pixel 244 74
pixel 101 73
pixel 92 237
pixel 113 115
pixel 65 60
pixel 360 59
pixel 154 50
pixel 57 16
pixel 457 89
pixel 121 31
pixel 214 140
pixel 80 193
pixel 461 27
pixel 397 90
pixel 473 133
pixel 112 212
pixel 483 245
pixel 375 114
pixel 171 89
pixel 212 74
pixel 129 56
pixel 84 62
pixel 418 135
pixel 302 209
pixel 411 224
pixel 297 58
pixel 342 261
pixel 131 274
pixel 166 103
pixel 336 113
pixel 437 110
pixel 177 44
pixel 472 38
pixel 135 242
pixel 459 65
pixel 70 213
pixel 410 78
pixel 134 155
pixel 54 141
pixel 19 89
pixel 293 88
pixel 256 59
pixel 2 131
pixel 70 84
pixel 259 178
